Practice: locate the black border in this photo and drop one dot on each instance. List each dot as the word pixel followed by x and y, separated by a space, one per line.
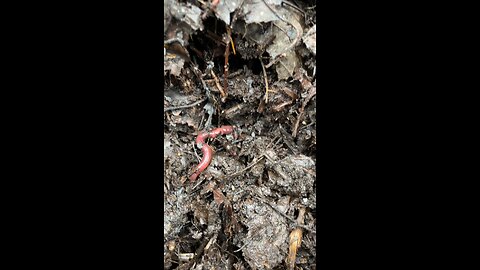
pixel 88 134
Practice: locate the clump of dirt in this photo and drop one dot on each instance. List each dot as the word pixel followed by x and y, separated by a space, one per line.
pixel 248 64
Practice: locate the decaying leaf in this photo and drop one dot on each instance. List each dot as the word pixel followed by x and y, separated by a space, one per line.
pixel 310 39
pixel 173 65
pixel 257 11
pixel 287 65
pixel 218 196
pixel 166 15
pixel 286 34
pixel 264 160
pixel 224 9
pixel 189 14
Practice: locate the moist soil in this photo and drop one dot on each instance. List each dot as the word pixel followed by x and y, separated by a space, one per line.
pixel 241 212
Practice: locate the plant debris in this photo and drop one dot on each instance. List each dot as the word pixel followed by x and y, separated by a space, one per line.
pixel 247 64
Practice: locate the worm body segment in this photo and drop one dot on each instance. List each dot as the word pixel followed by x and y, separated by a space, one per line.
pixel 206 149
pixel 206 159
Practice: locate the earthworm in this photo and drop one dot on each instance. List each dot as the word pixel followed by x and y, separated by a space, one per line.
pixel 207 157
pixel 206 149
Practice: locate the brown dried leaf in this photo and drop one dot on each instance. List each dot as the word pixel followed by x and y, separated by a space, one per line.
pixel 287 65
pixel 174 65
pixel 208 187
pixel 310 39
pixel 218 196
pixel 286 34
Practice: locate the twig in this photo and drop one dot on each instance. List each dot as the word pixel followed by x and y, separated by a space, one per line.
pixel 172 40
pixel 295 7
pixel 277 142
pixel 184 106
pixel 274 12
pixel 279 107
pixel 196 185
pixel 233 74
pixel 209 121
pixel 249 241
pixel 304 127
pixel 233 109
pixel 201 121
pixel 270 143
pixel 285 216
pixel 266 80
pixel 227 54
pixel 198 74
pixel 283 30
pixel 219 87
pixel 198 254
pixel 194 151
pixel 312 93
pixel 288 140
pixel 297 122
pixel 248 167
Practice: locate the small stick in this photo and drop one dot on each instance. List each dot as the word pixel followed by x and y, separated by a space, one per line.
pixel 233 74
pixel 184 106
pixel 198 254
pixel 285 216
pixel 295 7
pixel 233 109
pixel 283 30
pixel 197 73
pixel 196 185
pixel 266 81
pixel 201 121
pixel 233 46
pixel 248 167
pixel 312 93
pixel 227 53
pixel 172 40
pixel 270 143
pixel 304 127
pixel 297 123
pixel 279 107
pixel 255 233
pixel 219 87
pixel 194 151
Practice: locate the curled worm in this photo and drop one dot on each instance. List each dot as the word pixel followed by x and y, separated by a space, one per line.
pixel 207 157
pixel 206 149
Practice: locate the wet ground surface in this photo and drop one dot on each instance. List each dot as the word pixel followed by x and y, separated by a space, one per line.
pixel 254 206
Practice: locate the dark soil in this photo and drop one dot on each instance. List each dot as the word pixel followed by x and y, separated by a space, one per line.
pixel 241 211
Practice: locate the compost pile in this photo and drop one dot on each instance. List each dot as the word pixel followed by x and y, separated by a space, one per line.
pixel 247 66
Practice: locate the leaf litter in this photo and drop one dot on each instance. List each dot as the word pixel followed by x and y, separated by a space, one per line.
pixel 244 209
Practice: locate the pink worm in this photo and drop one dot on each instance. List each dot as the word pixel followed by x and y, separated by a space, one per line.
pixel 206 149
